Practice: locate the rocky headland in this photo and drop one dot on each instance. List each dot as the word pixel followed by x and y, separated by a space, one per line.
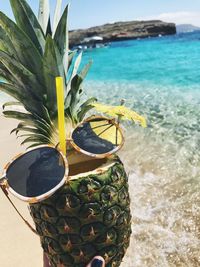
pixel 123 31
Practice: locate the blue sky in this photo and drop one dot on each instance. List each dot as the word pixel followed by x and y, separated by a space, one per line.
pixel 86 13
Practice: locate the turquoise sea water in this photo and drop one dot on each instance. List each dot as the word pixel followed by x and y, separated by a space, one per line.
pixel 170 60
pixel 160 79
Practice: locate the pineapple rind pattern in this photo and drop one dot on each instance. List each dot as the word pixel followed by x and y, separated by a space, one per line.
pixel 88 216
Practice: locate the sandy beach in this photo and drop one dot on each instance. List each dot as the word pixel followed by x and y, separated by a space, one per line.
pixel 18 245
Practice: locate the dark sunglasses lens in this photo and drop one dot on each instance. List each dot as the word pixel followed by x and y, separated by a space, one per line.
pixel 97 136
pixel 36 172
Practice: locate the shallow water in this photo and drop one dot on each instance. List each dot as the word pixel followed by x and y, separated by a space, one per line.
pixel 163 162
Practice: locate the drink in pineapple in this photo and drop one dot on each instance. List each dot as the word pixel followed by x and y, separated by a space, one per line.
pixel 90 214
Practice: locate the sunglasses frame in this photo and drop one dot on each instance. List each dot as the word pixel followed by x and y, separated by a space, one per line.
pixel 104 155
pixel 5 184
pixel 6 188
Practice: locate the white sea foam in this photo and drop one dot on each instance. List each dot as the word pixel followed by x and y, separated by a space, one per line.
pixel 165 216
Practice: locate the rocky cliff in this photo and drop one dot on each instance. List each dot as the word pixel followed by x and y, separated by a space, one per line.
pixel 123 31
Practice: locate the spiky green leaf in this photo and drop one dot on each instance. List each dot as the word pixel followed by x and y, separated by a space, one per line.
pixel 52 67
pixel 19 116
pixel 34 139
pixel 5 75
pixel 23 77
pixel 85 107
pixel 70 58
pixel 30 74
pixel 27 21
pixel 61 38
pixel 27 129
pixel 85 70
pixel 30 120
pixel 19 126
pixel 76 65
pixel 75 93
pixel 31 105
pixel 44 14
pixel 11 103
pixel 24 128
pixel 6 44
pixel 74 70
pixel 26 51
pixel 35 134
pixel 57 15
pixel 15 92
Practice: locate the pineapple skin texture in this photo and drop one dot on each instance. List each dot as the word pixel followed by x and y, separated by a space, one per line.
pixel 88 216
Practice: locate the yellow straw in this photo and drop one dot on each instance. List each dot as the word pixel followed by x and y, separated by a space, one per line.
pixel 61 115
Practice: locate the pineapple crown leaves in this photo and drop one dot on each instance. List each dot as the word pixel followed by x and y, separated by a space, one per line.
pixel 32 54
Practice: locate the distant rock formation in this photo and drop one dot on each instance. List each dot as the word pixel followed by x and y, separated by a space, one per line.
pixel 186 28
pixel 123 31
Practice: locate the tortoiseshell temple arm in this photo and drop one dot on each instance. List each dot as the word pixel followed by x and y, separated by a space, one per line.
pixel 3 181
pixel 4 185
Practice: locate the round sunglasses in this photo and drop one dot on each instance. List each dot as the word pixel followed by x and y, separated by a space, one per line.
pixel 97 137
pixel 35 175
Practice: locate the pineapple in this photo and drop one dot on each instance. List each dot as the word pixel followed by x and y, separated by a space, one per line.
pixel 90 214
